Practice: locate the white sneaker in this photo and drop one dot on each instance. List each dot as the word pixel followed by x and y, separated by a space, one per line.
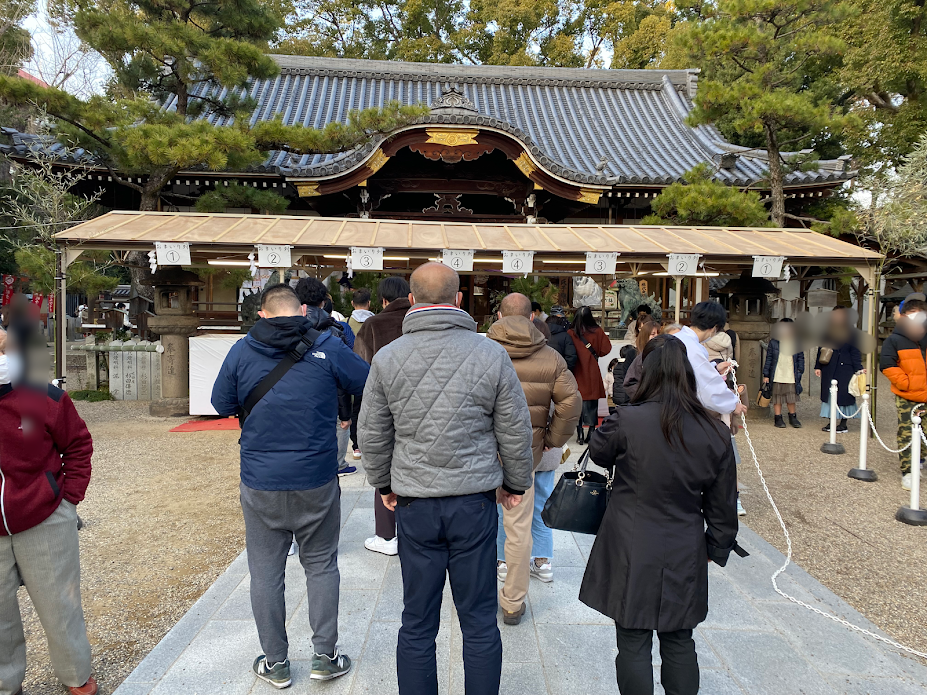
pixel 357 454
pixel 906 481
pixel 542 568
pixel 740 508
pixel 379 545
pixel 502 570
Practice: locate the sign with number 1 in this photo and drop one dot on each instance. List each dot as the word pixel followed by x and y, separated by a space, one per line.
pixel 173 252
pixel 767 266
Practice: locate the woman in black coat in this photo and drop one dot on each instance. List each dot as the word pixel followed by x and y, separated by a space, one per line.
pixel 561 341
pixel 648 569
pixel 846 361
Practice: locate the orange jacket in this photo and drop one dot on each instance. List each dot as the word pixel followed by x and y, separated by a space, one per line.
pixel 904 362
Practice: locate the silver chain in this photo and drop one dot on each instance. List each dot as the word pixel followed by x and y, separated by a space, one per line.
pixel 788 543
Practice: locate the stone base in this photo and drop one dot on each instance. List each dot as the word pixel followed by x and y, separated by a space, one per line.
pixel 913 517
pixel 829 448
pixel 170 407
pixel 867 475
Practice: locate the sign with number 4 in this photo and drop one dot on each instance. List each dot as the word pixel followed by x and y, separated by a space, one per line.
pixel 601 263
pixel 458 260
pixel 683 263
pixel 517 262
pixel 274 256
pixel 364 259
pixel 767 266
pixel 173 252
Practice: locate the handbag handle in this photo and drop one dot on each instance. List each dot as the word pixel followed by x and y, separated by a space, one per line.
pixel 580 468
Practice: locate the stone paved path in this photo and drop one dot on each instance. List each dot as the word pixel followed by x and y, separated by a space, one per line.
pixel 753 643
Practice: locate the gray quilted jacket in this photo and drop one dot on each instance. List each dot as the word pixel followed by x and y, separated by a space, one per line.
pixel 443 412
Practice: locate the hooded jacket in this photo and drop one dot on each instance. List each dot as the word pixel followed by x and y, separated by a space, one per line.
pixel 545 379
pixel 288 441
pixel 45 452
pixel 561 341
pixel 443 412
pixel 357 318
pixel 904 362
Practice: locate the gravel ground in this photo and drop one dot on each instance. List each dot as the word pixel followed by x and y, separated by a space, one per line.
pixel 843 531
pixel 163 521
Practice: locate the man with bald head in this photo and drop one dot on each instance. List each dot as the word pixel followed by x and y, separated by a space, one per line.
pixel 546 381
pixel 446 432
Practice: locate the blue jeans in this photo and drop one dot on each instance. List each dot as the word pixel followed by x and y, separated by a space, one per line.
pixel 440 538
pixel 541 535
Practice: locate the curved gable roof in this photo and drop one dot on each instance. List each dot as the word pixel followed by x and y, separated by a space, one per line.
pixel 603 127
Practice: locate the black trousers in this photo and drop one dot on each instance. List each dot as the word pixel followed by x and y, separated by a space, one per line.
pixel 355 413
pixel 451 537
pixel 679 673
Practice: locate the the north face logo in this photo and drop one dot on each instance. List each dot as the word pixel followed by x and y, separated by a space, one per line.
pixel 320 355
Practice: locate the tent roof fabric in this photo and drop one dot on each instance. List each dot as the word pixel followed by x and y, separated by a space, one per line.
pixel 214 233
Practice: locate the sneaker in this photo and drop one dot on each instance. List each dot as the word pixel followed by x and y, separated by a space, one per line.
pixel 293 549
pixel 278 675
pixel 502 570
pixel 842 428
pixel 906 481
pixel 324 668
pixel 542 568
pixel 514 618
pixel 740 508
pixel 347 470
pixel 380 545
pixel 357 455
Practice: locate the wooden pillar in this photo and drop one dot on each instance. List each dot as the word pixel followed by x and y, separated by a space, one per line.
pixel 678 281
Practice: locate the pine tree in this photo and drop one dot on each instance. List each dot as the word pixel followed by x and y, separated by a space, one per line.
pixel 762 62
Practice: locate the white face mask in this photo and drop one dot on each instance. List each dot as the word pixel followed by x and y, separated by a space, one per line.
pixel 11 368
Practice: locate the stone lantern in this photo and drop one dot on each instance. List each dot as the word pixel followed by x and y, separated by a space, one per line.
pixel 748 314
pixel 175 322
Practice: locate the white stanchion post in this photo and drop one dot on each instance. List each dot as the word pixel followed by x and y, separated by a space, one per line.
pixel 832 447
pixel 863 473
pixel 914 515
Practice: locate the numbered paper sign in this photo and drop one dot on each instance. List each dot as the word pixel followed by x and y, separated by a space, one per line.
pixel 274 256
pixel 601 263
pixel 683 263
pixel 458 260
pixel 364 259
pixel 767 266
pixel 173 252
pixel 517 262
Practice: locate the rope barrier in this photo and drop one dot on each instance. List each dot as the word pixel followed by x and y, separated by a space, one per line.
pixel 849 417
pixel 868 417
pixel 788 543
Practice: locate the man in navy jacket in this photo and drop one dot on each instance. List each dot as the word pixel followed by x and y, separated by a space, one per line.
pixel 289 474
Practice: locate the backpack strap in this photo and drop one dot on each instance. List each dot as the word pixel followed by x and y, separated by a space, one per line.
pixel 276 374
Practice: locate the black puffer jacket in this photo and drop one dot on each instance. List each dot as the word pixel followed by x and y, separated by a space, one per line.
pixel 619 395
pixel 561 341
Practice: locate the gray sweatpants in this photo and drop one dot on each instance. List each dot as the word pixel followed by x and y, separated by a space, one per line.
pixel 272 519
pixel 47 560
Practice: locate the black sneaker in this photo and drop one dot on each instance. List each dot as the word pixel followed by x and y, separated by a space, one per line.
pixel 278 675
pixel 325 668
pixel 842 428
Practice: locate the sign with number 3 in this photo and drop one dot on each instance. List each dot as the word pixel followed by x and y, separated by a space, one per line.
pixel 364 259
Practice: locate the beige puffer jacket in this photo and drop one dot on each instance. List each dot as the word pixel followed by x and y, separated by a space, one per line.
pixel 545 379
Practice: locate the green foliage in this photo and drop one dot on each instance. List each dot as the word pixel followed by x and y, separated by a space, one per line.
pixel 91 396
pixel 763 67
pixel 235 195
pixel 537 289
pixel 703 200
pixel 229 278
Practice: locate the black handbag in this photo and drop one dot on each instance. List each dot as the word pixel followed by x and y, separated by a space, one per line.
pixel 579 500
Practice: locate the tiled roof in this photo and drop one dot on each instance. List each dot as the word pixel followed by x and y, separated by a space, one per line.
pixel 600 127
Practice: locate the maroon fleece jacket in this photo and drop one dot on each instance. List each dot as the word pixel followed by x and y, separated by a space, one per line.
pixel 45 451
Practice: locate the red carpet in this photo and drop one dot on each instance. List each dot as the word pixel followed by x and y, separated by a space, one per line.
pixel 205 425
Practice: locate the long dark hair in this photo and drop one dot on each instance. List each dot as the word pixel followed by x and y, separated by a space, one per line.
pixel 645 327
pixel 583 321
pixel 667 377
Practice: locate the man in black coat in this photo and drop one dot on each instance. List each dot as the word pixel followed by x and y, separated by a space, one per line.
pixel 560 340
